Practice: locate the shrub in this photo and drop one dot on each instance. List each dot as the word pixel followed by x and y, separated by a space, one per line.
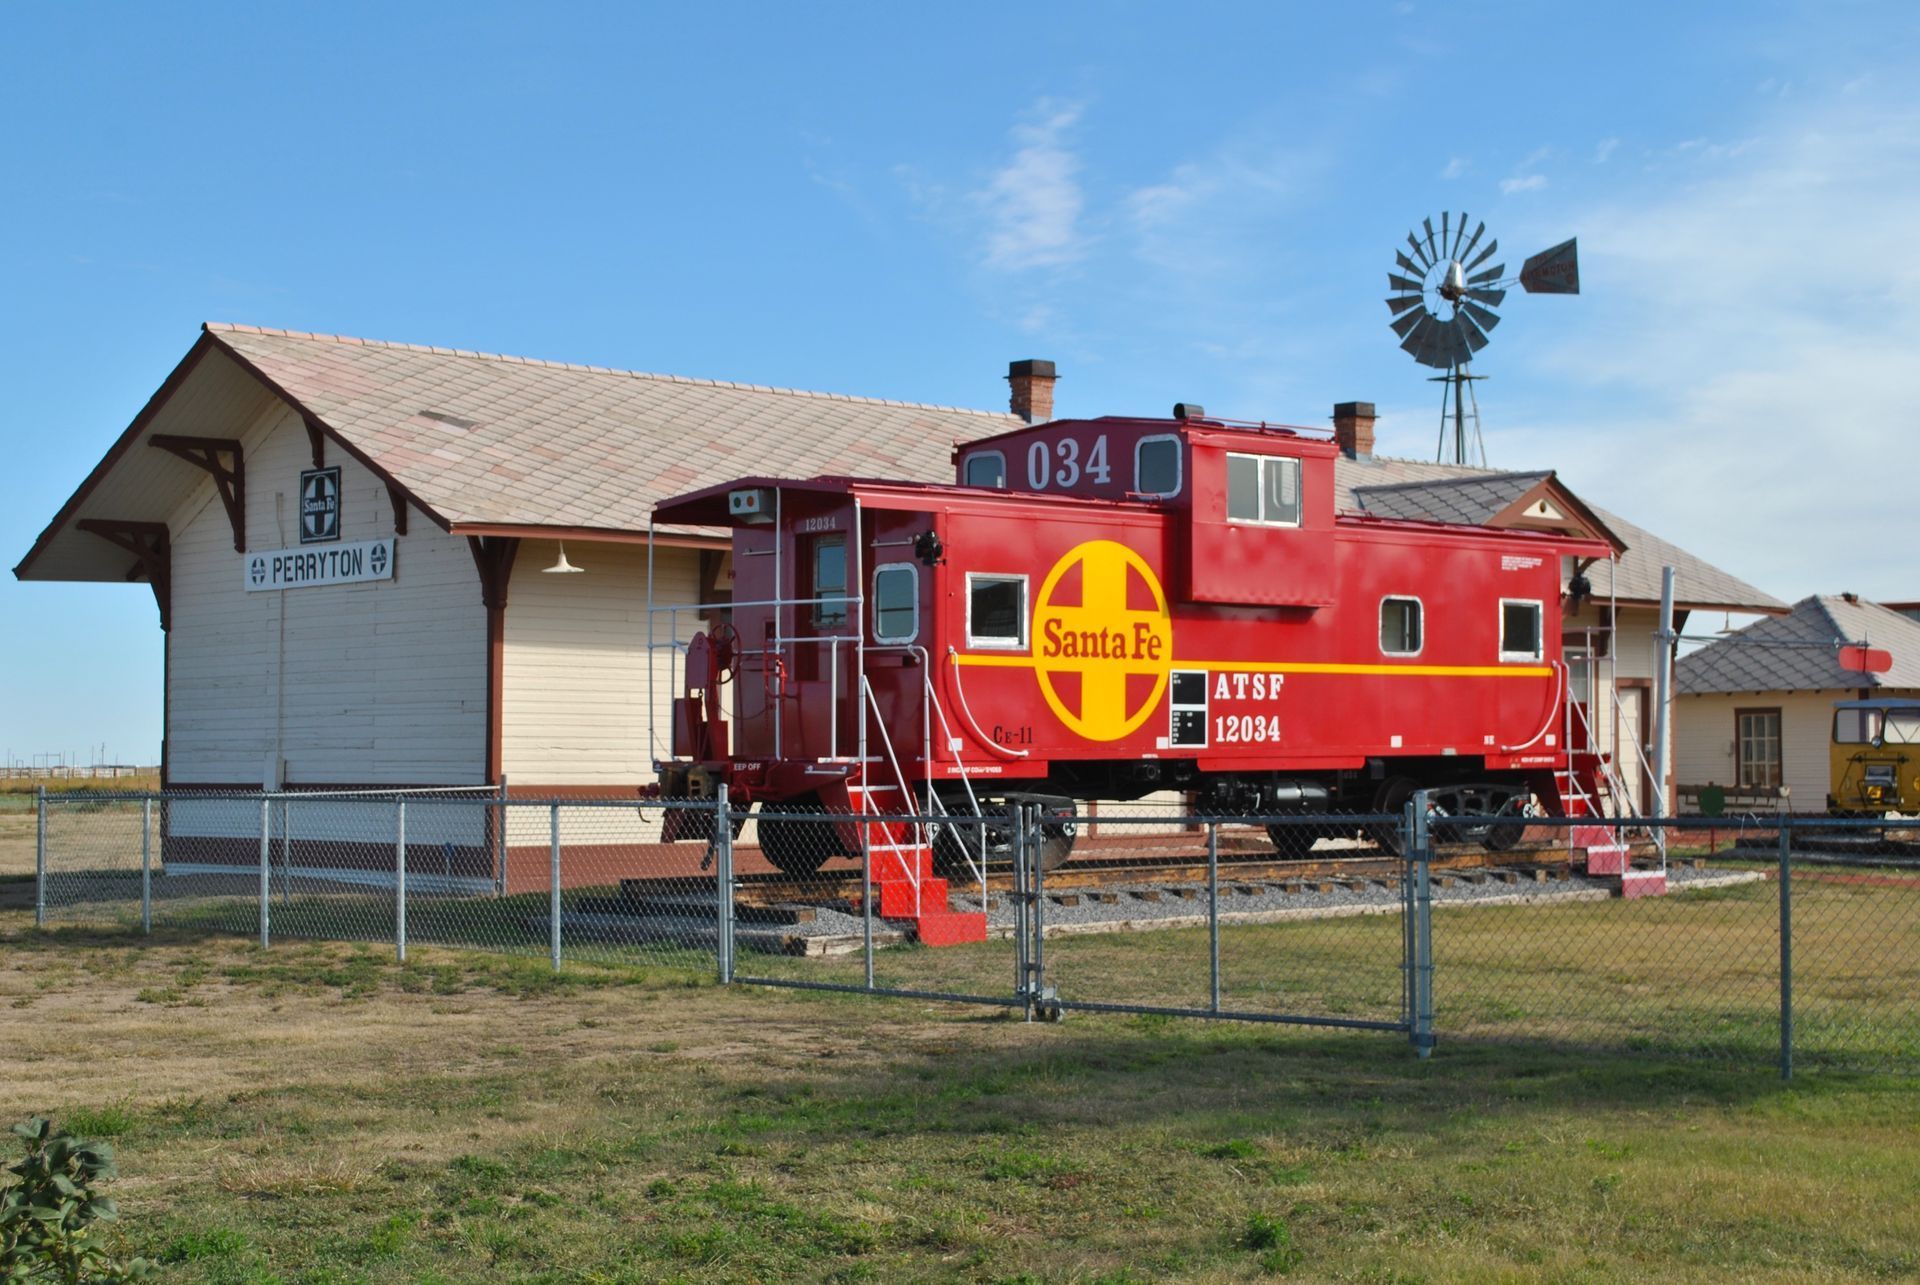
pixel 51 1216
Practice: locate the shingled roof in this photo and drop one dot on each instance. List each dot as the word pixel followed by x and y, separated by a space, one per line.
pixel 1389 487
pixel 481 438
pixel 1800 651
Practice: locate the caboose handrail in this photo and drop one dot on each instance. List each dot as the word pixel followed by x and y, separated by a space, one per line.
pixel 871 704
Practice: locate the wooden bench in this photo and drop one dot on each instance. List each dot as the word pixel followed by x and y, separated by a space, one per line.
pixel 1735 798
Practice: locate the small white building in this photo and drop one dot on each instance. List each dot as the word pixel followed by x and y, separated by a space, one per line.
pixel 1754 710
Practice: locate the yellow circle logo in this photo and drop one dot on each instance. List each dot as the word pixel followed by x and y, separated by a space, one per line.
pixel 1096 657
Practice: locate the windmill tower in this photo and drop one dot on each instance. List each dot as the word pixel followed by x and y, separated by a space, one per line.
pixel 1443 309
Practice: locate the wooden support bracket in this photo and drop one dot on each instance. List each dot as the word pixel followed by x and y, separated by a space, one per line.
pixel 221 457
pixel 152 549
pixel 317 439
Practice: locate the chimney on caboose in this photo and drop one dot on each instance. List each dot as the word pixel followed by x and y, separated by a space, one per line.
pixel 1032 389
pixel 1353 429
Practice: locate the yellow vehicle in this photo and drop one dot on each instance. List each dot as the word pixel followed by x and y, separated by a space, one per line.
pixel 1876 757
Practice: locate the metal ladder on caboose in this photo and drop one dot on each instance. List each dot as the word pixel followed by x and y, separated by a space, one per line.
pixel 900 851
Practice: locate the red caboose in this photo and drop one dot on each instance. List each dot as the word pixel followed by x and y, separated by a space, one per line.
pixel 1105 608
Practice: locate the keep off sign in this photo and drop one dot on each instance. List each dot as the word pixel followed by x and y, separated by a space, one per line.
pixel 298 568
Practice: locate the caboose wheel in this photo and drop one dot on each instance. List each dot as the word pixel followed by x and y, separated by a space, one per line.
pixel 1390 800
pixel 957 844
pixel 1293 841
pixel 796 846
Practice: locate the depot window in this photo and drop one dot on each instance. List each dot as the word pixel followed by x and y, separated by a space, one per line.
pixel 1264 489
pixel 1400 626
pixel 1756 742
pixel 896 603
pixel 996 611
pixel 986 468
pixel 830 581
pixel 1156 466
pixel 1520 630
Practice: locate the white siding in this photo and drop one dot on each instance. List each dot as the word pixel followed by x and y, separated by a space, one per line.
pixel 1704 731
pixel 575 706
pixel 377 683
pixel 1633 659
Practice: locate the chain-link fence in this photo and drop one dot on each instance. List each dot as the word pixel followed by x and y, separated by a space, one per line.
pixel 1756 939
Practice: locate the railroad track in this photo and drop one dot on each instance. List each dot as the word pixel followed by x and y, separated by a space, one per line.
pixel 1177 866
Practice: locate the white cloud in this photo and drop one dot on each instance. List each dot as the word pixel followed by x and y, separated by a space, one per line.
pixel 1455 168
pixel 1033 203
pixel 1741 376
pixel 1525 183
pixel 1604 151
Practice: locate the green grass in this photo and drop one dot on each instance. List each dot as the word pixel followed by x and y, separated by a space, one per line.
pixel 317 1112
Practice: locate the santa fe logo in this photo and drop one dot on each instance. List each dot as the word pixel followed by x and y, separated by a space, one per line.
pixel 1102 640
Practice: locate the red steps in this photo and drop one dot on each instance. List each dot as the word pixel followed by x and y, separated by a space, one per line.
pixel 1608 857
pixel 903 877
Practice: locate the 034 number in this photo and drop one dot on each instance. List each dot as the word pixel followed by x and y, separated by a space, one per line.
pixel 1062 466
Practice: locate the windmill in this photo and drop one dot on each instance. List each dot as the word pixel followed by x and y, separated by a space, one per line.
pixel 1444 305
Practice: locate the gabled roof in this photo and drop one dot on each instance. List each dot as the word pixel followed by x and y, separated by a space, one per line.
pixel 1474 501
pixel 1375 483
pixel 488 444
pixel 1799 652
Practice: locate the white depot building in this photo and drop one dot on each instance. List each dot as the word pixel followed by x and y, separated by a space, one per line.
pixel 347 541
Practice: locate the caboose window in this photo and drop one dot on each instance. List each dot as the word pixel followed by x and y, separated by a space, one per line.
pixel 987 468
pixel 830 581
pixel 1156 466
pixel 1400 626
pixel 1520 634
pixel 1264 489
pixel 896 603
pixel 996 611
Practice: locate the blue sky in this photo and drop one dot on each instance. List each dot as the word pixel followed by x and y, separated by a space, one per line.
pixel 1195 202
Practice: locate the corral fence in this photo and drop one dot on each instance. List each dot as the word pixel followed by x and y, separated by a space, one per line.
pixel 1786 939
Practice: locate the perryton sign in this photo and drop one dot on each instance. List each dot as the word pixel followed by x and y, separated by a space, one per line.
pixel 297 568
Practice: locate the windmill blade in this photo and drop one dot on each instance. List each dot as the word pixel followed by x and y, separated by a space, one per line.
pixel 1407 265
pixel 1491 274
pixel 1470 334
pixel 1473 240
pixel 1488 253
pixel 1491 298
pixel 1446 235
pixel 1431 253
pixel 1404 324
pixel 1459 235
pixel 1401 302
pixel 1418 253
pixel 1414 335
pixel 1481 317
pixel 1553 271
pixel 1402 283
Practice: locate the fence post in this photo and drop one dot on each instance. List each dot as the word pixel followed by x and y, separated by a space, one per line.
pixel 1786 948
pixel 866 895
pixel 1213 912
pixel 40 857
pixel 723 861
pixel 146 864
pixel 553 885
pixel 500 840
pixel 400 880
pixel 1022 911
pixel 266 870
pixel 1422 854
pixel 1037 849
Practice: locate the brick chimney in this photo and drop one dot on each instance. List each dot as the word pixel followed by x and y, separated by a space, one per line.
pixel 1032 384
pixel 1353 429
